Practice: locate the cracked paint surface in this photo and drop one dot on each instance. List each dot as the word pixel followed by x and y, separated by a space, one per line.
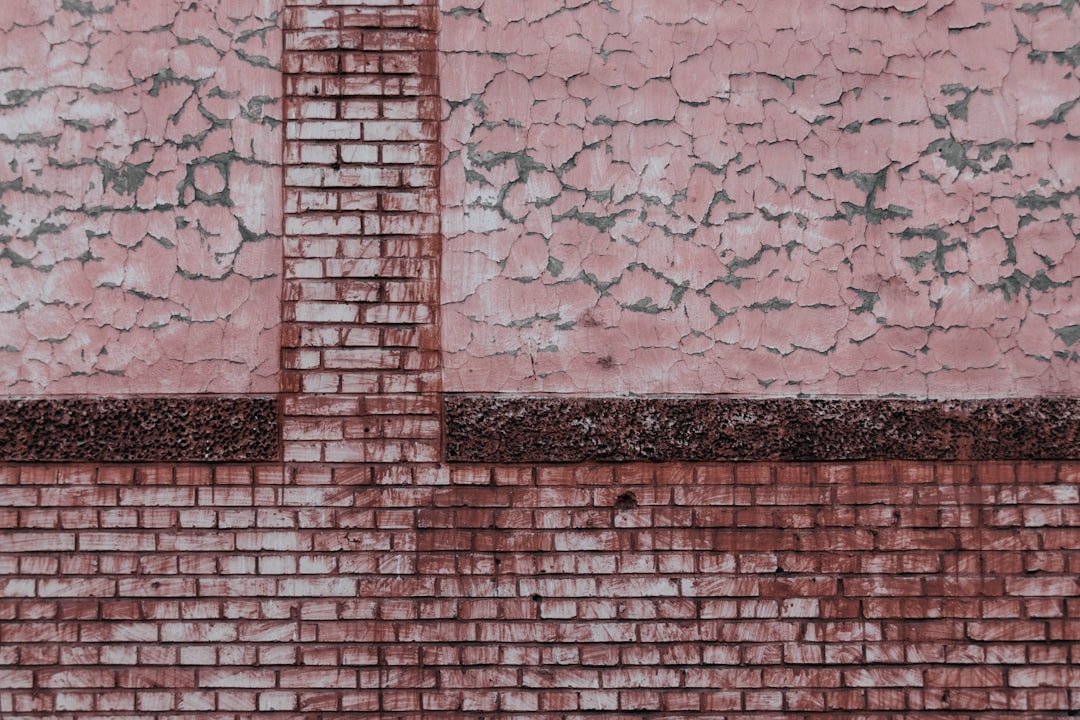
pixel 859 197
pixel 140 187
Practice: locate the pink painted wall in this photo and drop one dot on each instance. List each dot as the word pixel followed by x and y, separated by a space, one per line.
pixel 140 187
pixel 860 197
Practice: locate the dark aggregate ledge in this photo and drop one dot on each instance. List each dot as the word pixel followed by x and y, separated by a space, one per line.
pixel 139 429
pixel 507 429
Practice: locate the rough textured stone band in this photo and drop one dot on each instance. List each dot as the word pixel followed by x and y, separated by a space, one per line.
pixel 485 428
pixel 140 429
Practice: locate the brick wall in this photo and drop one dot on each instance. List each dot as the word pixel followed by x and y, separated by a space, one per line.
pixel 362 578
pixel 745 590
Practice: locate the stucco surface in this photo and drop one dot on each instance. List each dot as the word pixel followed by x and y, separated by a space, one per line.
pixel 860 197
pixel 140 188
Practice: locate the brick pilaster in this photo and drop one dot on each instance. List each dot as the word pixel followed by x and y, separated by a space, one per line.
pixel 360 342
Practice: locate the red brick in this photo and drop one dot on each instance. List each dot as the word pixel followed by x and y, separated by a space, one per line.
pixel 883 677
pixel 1007 631
pixel 77 587
pixel 24 542
pixel 1042 586
pixel 1048 676
pixel 75 678
pixel 964 677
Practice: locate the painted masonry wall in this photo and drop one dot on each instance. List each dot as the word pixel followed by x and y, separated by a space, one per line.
pixel 140 155
pixel 862 197
pixel 362 577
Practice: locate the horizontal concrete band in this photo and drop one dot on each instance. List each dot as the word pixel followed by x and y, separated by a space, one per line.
pixel 140 429
pixel 493 428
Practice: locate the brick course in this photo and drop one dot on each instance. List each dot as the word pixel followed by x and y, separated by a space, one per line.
pixel 548 591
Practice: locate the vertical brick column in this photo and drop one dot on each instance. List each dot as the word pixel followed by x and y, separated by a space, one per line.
pixel 360 342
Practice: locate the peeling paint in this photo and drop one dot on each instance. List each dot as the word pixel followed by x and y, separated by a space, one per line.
pixel 140 144
pixel 677 196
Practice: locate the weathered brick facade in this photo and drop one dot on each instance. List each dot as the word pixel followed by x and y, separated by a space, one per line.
pixel 362 575
pixel 869 590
